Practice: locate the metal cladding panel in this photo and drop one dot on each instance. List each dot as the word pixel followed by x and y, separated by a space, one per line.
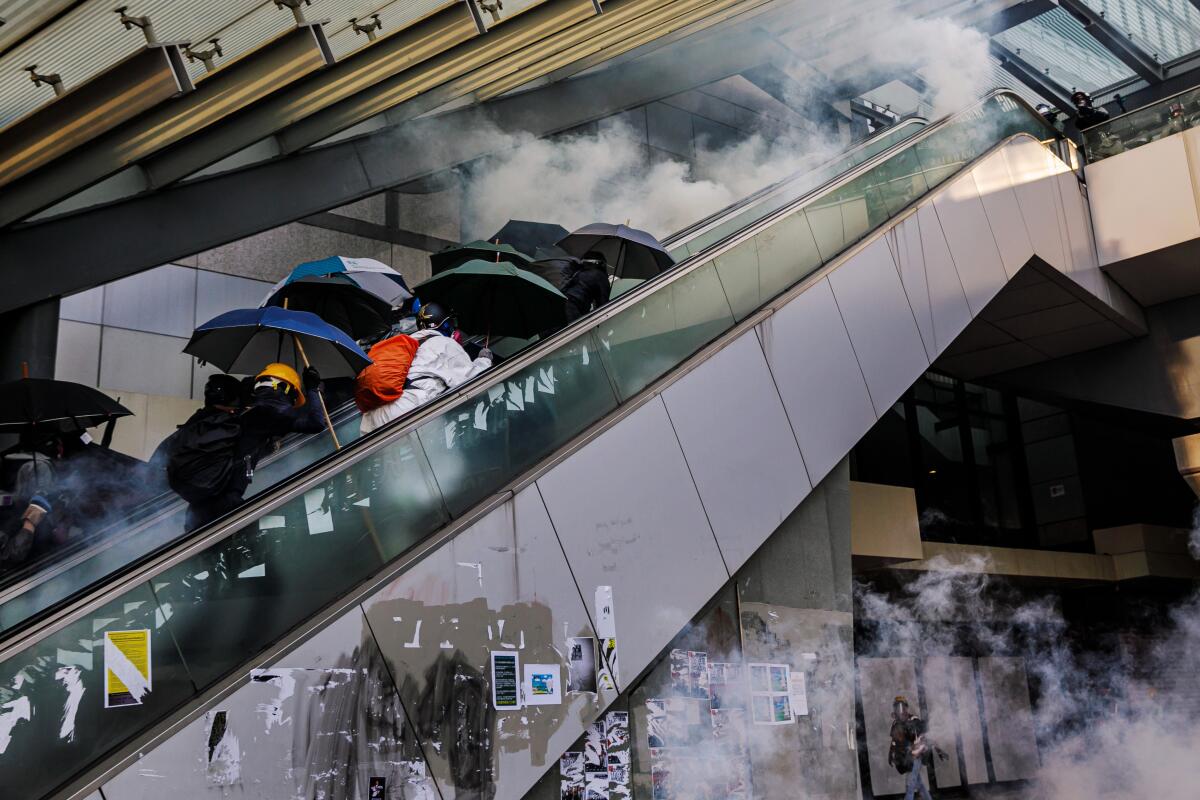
pixel 740 448
pixel 947 298
pixel 1012 739
pixel 1079 244
pixel 1034 186
pixel 319 722
pixel 970 725
pixel 501 585
pixel 994 182
pixel 138 83
pixel 972 245
pixel 941 702
pixel 818 376
pixel 905 241
pixel 880 680
pixel 880 320
pixel 627 513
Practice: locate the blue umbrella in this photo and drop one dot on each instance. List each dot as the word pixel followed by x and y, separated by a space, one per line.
pixel 373 277
pixel 631 253
pixel 245 340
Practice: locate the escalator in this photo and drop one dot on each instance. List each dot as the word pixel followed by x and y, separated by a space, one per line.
pixel 312 547
pixel 138 532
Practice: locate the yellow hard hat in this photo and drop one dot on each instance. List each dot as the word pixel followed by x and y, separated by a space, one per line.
pixel 286 374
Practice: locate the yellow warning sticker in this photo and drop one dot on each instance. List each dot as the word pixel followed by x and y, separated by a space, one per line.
pixel 127 676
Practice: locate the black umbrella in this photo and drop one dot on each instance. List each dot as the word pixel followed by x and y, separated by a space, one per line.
pixel 458 255
pixel 54 405
pixel 528 236
pixel 553 265
pixel 497 299
pixel 337 300
pixel 631 253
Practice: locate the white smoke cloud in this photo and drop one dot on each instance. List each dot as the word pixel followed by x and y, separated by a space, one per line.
pixel 605 176
pixel 1111 723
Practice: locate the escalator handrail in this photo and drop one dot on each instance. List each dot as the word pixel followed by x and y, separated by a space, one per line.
pixel 20 636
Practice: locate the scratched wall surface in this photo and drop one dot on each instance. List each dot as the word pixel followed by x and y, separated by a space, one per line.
pixel 321 721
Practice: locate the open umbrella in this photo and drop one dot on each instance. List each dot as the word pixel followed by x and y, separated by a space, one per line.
pixel 245 340
pixel 631 253
pixel 553 264
pixel 54 406
pixel 368 274
pixel 453 257
pixel 528 236
pixel 338 300
pixel 497 299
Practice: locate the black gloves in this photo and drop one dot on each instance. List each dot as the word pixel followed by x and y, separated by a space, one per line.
pixel 311 379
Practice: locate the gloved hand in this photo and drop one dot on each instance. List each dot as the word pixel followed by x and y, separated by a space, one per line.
pixel 310 379
pixel 486 353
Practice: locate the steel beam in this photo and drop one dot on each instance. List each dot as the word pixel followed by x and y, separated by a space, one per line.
pixel 236 86
pixel 1115 41
pixel 1014 15
pixel 1039 83
pixel 96 246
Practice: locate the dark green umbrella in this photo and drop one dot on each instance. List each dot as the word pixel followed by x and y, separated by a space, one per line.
pixel 496 299
pixel 456 256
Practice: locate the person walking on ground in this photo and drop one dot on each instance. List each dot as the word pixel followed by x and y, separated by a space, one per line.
pixel 210 460
pixel 910 749
pixel 440 364
pixel 587 286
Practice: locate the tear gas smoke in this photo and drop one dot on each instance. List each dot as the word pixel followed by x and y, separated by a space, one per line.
pixel 610 175
pixel 1111 722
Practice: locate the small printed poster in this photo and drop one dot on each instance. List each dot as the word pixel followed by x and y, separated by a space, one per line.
pixel 581 664
pixel 616 730
pixel 608 674
pixel 681 673
pixel 770 694
pixel 506 688
pixel 616 745
pixel 656 723
pixel 726 685
pixel 593 748
pixel 570 769
pixel 799 693
pixel 698 674
pixel 543 684
pixel 127 668
pixel 377 789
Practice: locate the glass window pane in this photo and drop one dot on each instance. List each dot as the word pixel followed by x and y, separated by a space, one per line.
pixel 1165 29
pixel 477 447
pixel 1056 42
pixel 252 587
pixel 738 270
pixel 57 691
pixel 646 340
pixel 787 252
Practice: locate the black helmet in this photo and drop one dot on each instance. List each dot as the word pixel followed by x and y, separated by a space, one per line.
pixel 432 316
pixel 594 259
pixel 222 390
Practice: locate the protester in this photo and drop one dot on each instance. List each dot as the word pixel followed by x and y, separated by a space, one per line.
pixel 587 286
pixel 910 750
pixel 210 460
pixel 440 363
pixel 36 479
pixel 1086 114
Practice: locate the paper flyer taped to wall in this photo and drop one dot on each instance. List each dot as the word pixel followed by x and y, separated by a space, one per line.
pixel 606 632
pixel 506 682
pixel 799 693
pixel 571 774
pixel 581 664
pixel 770 694
pixel 127 668
pixel 542 685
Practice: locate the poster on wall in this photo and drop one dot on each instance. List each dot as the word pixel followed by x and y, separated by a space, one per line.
pixel 606 631
pixel 726 685
pixel 571 773
pixel 770 694
pixel 698 674
pixel 581 664
pixel 799 693
pixel 543 684
pixel 127 669
pixel 616 745
pixel 656 723
pixel 506 686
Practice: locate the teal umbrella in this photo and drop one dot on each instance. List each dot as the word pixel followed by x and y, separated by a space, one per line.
pixel 496 299
pixel 458 255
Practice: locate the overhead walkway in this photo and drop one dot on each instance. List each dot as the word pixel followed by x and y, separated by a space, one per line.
pixel 649 448
pixel 134 534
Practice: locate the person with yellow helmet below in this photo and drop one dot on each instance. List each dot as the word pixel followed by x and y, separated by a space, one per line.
pixel 211 458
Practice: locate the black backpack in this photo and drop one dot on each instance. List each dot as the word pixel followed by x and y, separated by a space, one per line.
pixel 202 455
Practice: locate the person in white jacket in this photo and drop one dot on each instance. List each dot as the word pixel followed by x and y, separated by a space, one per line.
pixel 440 364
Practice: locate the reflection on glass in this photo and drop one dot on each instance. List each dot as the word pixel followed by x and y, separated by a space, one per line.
pixel 1149 124
pixel 1057 44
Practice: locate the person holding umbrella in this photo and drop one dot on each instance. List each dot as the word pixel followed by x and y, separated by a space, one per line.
pixel 440 364
pixel 586 287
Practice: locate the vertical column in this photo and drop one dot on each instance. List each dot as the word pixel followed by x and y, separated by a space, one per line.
pixel 29 335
